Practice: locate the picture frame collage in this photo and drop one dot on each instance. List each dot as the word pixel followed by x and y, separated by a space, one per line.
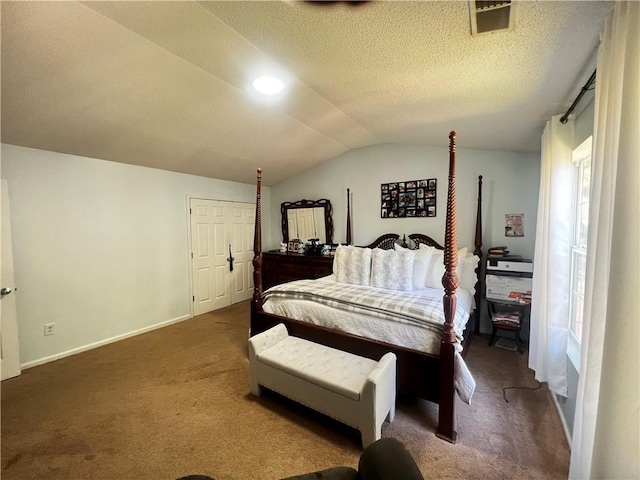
pixel 413 198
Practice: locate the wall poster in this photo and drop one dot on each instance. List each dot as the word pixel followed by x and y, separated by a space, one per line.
pixel 414 198
pixel 514 225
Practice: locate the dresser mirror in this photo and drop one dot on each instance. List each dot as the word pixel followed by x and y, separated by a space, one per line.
pixel 307 219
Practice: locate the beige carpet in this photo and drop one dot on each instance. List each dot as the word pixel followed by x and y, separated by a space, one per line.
pixel 175 401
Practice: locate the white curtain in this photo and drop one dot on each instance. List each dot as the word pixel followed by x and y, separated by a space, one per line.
pixel 606 430
pixel 552 259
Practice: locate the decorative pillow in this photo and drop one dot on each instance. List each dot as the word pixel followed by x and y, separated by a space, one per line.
pixel 436 267
pixel 392 269
pixel 468 277
pixel 352 265
pixel 420 265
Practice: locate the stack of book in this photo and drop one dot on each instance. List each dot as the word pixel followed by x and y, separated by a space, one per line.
pixel 506 319
pixel 498 251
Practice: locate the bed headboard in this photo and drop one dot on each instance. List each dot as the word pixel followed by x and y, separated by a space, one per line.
pixel 387 241
pixel 421 239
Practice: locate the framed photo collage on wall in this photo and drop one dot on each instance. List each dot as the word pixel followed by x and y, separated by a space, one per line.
pixel 413 198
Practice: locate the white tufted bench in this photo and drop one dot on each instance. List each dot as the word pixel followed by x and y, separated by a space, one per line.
pixel 355 390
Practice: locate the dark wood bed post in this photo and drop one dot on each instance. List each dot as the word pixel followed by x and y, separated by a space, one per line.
pixel 348 217
pixel 446 411
pixel 257 250
pixel 478 253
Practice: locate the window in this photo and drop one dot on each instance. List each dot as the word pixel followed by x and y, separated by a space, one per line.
pixel 581 183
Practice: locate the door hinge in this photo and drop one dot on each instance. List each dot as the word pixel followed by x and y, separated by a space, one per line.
pixel 191 254
pixel 189 211
pixel 193 299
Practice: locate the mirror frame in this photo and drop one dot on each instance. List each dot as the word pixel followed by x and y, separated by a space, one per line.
pixel 322 203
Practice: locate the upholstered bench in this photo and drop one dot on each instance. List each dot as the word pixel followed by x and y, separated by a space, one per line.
pixel 354 390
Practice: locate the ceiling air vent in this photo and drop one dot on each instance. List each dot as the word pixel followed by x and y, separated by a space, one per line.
pixel 490 16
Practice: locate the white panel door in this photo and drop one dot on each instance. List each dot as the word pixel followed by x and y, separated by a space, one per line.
pixel 318 224
pixel 292 222
pixel 306 224
pixel 222 297
pixel 9 348
pixel 242 232
pixel 220 230
pixel 209 234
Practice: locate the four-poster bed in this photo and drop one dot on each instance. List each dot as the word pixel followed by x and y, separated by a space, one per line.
pixel 427 375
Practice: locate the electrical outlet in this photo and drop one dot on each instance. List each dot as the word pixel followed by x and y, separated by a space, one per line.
pixel 49 329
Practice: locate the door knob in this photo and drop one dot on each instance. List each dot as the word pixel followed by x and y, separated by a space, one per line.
pixel 5 291
pixel 230 259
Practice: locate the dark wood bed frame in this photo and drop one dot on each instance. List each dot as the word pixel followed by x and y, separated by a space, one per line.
pixel 419 374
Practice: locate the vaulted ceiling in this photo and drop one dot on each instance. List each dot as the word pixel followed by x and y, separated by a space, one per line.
pixel 168 84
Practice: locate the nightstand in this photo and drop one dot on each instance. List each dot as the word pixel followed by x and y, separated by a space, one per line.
pixel 509 316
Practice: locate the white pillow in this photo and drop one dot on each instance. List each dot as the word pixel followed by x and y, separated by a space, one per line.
pixel 436 267
pixel 352 265
pixel 392 269
pixel 468 277
pixel 420 265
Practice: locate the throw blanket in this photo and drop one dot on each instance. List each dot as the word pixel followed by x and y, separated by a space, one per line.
pixel 463 381
pixel 415 308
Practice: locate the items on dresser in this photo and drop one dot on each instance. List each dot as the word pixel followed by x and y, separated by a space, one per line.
pixel 280 267
pixel 313 246
pixel 295 246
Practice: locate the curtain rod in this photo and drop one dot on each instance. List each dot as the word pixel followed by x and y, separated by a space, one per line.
pixel 584 90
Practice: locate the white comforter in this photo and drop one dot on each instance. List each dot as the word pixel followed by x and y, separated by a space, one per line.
pixel 411 319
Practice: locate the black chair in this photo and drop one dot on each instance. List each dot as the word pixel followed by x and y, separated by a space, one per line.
pixel 385 459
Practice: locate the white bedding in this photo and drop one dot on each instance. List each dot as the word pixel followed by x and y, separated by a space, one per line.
pixel 378 326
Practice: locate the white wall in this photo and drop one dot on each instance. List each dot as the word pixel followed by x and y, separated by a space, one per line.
pixel 100 248
pixel 511 182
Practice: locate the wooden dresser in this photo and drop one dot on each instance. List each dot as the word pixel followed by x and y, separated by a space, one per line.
pixel 280 267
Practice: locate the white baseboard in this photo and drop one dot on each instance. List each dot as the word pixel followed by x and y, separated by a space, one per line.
pixel 107 341
pixel 565 427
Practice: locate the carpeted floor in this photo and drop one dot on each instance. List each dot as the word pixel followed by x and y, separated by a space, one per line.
pixel 176 401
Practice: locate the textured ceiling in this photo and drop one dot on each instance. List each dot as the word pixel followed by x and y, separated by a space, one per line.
pixel 166 84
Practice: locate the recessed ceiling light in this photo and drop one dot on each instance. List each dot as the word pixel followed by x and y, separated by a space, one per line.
pixel 268 85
